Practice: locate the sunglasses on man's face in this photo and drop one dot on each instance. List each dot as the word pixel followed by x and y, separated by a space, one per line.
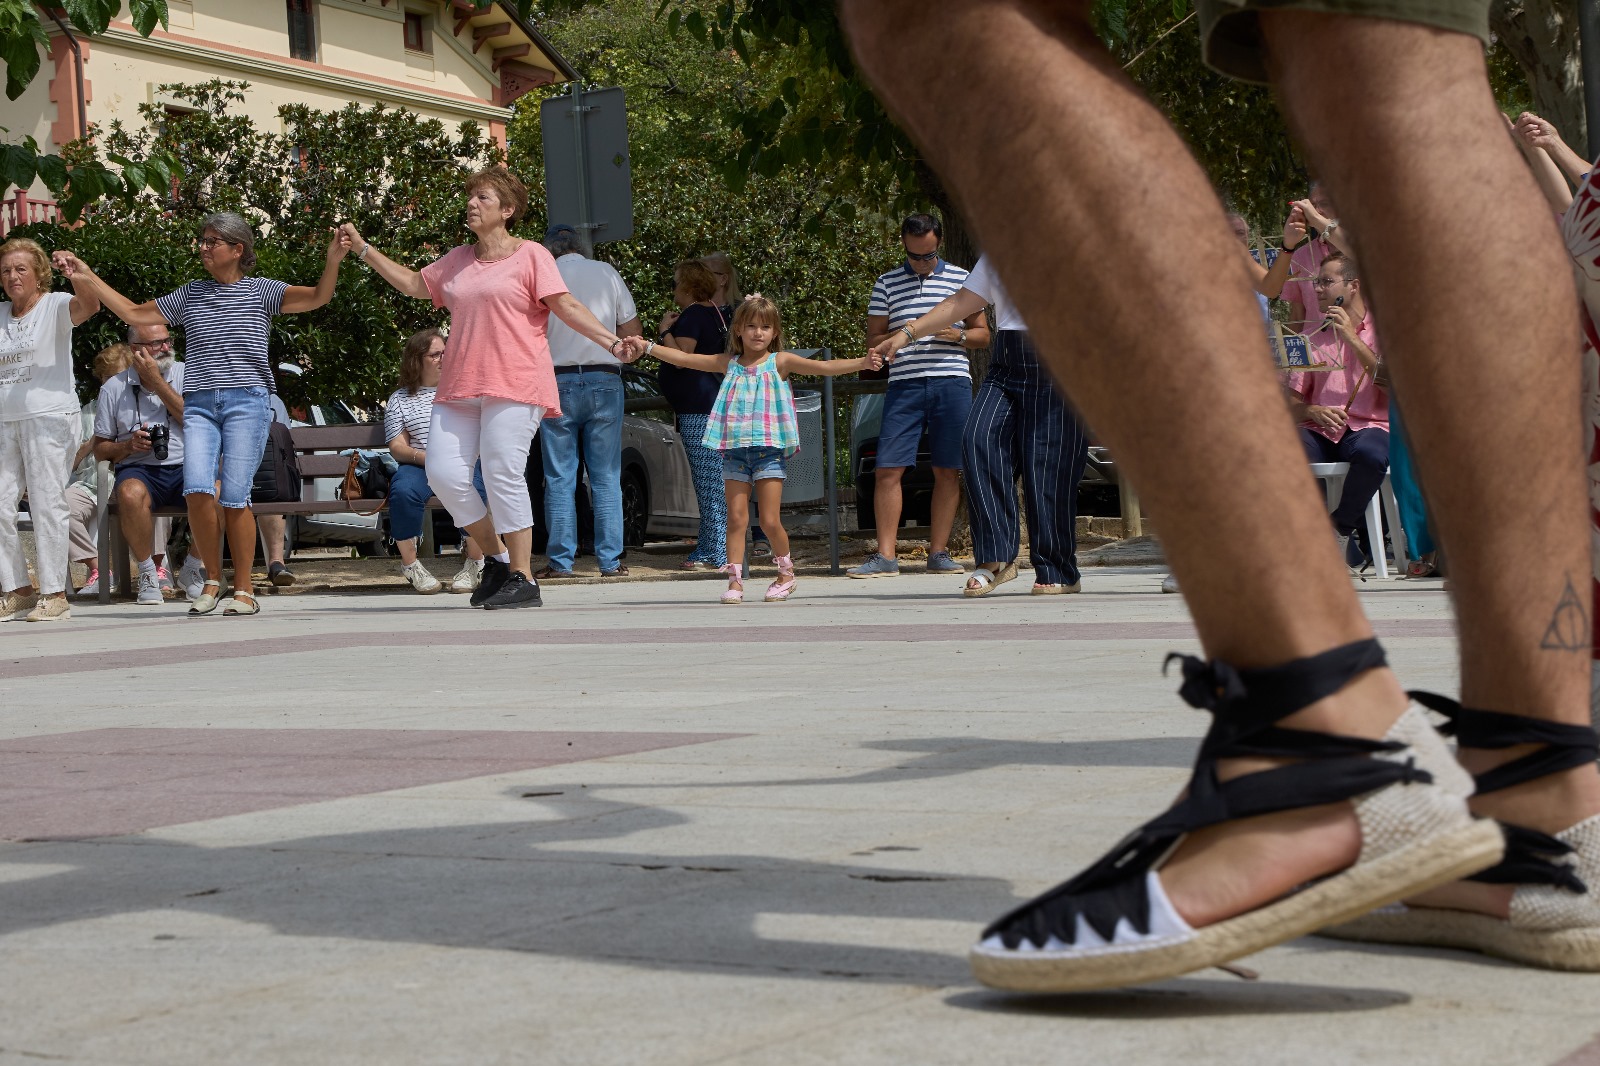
pixel 924 257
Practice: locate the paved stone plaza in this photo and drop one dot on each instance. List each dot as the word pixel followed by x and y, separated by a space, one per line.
pixel 636 827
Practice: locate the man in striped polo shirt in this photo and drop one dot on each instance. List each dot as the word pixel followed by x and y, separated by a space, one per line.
pixel 930 384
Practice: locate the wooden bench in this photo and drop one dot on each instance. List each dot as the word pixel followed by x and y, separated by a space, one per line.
pixel 317 451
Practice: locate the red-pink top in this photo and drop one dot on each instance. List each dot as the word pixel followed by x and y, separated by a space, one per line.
pixel 1332 388
pixel 1304 262
pixel 497 344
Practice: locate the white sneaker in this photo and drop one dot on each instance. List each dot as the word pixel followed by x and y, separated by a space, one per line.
pixel 1169 583
pixel 191 577
pixel 467 578
pixel 420 579
pixel 91 588
pixel 149 589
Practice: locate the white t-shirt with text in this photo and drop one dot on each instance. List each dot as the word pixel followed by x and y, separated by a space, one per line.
pixel 36 360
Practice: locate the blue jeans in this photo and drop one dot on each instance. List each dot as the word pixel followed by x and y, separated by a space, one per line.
pixel 590 422
pixel 1367 452
pixel 230 424
pixel 408 496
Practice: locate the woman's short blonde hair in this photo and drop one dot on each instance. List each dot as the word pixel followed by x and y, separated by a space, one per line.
pixel 41 261
pixel 112 360
pixel 507 187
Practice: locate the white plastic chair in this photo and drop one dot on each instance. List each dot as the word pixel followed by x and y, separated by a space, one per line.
pixel 1333 475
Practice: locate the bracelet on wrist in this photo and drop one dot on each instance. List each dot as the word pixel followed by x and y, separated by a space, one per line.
pixel 365 248
pixel 911 337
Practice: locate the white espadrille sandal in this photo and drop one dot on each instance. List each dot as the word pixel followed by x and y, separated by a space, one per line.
pixel 1555 909
pixel 1113 926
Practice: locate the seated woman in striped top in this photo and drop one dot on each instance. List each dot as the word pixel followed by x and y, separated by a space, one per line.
pixel 226 381
pixel 405 427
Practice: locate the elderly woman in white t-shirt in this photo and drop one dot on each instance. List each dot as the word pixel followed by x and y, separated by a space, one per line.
pixel 38 427
pixel 405 427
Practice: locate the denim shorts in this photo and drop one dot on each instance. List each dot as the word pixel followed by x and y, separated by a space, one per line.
pixel 227 426
pixel 940 403
pixel 163 483
pixel 752 464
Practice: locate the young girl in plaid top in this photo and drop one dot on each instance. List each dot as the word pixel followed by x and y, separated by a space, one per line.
pixel 753 425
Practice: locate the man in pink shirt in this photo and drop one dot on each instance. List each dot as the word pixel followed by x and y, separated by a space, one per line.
pixel 1316 212
pixel 1343 414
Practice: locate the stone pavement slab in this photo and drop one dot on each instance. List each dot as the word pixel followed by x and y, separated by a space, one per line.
pixel 635 826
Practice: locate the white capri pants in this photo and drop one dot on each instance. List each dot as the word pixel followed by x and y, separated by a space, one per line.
pixel 36 454
pixel 500 432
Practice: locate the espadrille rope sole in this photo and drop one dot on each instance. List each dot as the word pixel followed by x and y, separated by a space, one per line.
pixel 1425 864
pixel 1553 949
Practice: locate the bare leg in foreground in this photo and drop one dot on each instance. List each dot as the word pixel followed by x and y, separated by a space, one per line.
pixel 1262 592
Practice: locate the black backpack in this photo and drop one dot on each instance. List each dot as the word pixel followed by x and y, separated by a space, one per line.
pixel 278 477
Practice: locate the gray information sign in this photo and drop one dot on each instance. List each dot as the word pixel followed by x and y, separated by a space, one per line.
pixel 588 182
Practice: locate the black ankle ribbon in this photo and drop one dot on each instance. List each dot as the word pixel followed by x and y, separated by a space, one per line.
pixel 1530 855
pixel 1246 704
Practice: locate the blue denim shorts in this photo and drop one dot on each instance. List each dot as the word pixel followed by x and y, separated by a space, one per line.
pixel 940 403
pixel 227 426
pixel 752 464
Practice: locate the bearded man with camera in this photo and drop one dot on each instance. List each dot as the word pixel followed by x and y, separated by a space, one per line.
pixel 138 428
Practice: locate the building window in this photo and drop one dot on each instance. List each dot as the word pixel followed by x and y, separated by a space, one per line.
pixel 417 37
pixel 302 30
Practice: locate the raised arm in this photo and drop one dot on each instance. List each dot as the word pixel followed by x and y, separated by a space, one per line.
pixel 88 285
pixel 1269 283
pixel 297 298
pixel 1330 229
pixel 790 363
pixel 407 281
pixel 1531 139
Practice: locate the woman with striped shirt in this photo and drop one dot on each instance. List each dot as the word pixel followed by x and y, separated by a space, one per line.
pixel 226 384
pixel 405 427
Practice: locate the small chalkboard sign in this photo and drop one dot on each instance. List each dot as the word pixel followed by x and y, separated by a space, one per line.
pixel 1294 352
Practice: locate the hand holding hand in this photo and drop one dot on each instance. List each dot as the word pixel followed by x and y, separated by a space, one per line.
pixel 884 350
pixel 67 263
pixel 1536 132
pixel 338 246
pixel 348 239
pixel 1312 217
pixel 633 349
pixel 873 360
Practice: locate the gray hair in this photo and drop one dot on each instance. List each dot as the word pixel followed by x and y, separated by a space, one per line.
pixel 564 242
pixel 136 333
pixel 232 228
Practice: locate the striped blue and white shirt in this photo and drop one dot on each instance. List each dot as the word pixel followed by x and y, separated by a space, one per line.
pixel 225 330
pixel 903 296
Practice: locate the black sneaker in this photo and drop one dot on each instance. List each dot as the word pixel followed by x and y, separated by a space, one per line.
pixel 279 575
pixel 517 591
pixel 495 574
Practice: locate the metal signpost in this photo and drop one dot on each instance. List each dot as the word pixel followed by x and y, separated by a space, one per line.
pixel 587 177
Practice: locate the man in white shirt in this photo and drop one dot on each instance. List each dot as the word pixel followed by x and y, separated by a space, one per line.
pixel 589 429
pixel 147 396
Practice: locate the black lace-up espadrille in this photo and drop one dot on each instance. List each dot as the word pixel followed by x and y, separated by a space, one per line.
pixel 1555 908
pixel 1113 926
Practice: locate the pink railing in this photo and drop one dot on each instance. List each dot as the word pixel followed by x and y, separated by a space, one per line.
pixel 23 210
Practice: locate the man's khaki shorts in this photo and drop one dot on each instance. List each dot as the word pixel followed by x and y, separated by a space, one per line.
pixel 1231 35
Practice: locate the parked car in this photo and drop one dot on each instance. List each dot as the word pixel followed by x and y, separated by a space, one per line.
pixel 1097 490
pixel 657 488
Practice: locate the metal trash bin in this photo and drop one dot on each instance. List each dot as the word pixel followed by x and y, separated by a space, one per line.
pixel 805 470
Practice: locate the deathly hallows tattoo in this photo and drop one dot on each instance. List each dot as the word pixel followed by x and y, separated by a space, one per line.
pixel 1569 626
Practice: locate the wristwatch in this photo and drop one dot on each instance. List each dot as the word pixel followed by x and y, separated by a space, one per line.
pixel 961 327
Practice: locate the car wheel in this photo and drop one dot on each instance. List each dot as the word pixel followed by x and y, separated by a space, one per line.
pixel 635 508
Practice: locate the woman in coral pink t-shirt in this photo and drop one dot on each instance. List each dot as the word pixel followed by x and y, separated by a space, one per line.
pixel 498 380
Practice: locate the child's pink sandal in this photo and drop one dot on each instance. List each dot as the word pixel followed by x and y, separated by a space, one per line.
pixel 780 588
pixel 735 573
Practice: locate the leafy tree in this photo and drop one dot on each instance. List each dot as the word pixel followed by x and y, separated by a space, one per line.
pixel 396 175
pixel 812 237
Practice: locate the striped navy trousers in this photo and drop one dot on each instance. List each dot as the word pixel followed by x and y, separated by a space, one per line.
pixel 1020 424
